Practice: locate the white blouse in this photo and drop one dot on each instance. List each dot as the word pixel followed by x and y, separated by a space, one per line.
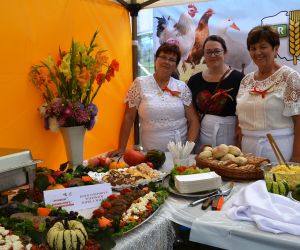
pixel 269 104
pixel 162 115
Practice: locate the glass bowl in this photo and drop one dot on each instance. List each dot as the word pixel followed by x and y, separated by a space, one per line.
pixel 274 171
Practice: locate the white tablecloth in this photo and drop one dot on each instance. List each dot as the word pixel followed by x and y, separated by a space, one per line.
pixel 214 228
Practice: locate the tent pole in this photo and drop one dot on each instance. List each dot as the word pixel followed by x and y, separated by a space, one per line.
pixel 134 9
pixel 134 14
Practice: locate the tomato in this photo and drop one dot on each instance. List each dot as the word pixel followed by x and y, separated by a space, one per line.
pixel 125 191
pixel 106 204
pixel 180 169
pixel 113 197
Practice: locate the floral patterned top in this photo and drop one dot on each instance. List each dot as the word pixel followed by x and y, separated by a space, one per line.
pixel 269 104
pixel 162 114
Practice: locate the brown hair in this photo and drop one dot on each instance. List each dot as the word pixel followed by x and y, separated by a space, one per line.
pixel 169 48
pixel 216 38
pixel 267 33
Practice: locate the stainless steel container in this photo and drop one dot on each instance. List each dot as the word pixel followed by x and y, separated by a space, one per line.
pixel 17 168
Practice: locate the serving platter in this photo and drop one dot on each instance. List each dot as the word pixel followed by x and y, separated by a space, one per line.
pixel 147 219
pixel 101 178
pixel 166 183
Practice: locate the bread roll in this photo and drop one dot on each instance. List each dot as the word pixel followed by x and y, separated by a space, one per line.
pixel 207 148
pixel 220 151
pixel 240 160
pixel 234 150
pixel 228 157
pixel 205 154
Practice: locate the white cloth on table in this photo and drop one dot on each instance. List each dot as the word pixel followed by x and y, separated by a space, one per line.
pixel 271 212
pixel 162 115
pixel 216 130
pixel 257 143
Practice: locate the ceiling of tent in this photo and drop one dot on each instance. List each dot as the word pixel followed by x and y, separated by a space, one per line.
pixel 159 3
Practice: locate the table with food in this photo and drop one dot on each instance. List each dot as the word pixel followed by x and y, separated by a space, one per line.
pixel 227 198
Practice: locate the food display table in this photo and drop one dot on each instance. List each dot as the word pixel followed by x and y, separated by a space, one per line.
pixel 214 228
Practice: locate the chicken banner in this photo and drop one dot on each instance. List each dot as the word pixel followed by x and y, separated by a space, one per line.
pixel 189 25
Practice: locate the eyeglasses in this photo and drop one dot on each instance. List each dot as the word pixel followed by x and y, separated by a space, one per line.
pixel 216 52
pixel 170 60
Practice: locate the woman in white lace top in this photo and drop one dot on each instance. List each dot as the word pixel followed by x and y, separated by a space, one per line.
pixel 269 100
pixel 164 106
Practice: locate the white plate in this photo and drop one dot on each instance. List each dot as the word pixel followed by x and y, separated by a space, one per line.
pixel 291 197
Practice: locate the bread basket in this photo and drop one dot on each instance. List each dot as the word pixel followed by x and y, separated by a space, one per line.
pixel 228 169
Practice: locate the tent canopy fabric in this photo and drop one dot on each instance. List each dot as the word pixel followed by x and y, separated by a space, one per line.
pixel 160 3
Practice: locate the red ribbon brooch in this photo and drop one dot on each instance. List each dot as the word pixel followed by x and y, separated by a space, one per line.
pixel 263 93
pixel 172 92
pixel 223 92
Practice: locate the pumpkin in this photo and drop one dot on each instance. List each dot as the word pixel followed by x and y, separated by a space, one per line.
pixel 157 157
pixel 68 235
pixel 117 164
pixel 55 186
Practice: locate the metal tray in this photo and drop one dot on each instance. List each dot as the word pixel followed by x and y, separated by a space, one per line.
pixel 16 168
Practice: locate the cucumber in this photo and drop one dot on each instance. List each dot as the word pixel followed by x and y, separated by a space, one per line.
pixel 278 187
pixel 275 187
pixel 269 185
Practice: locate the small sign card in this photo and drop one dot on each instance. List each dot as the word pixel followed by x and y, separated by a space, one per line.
pixel 78 198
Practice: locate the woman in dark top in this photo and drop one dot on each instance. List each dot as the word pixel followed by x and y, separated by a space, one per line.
pixel 215 100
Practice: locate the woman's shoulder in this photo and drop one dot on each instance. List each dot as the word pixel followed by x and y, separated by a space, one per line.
pixel 195 77
pixel 288 70
pixel 236 75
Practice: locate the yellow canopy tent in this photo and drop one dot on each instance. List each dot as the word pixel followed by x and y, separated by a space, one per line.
pixel 30 31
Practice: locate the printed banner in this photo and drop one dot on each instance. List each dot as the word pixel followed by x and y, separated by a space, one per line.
pixel 189 25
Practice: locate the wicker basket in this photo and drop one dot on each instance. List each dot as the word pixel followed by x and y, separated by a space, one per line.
pixel 229 169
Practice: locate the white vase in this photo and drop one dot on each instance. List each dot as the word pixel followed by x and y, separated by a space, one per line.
pixel 74 143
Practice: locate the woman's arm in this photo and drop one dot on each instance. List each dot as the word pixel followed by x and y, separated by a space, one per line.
pixel 296 147
pixel 238 134
pixel 128 120
pixel 193 123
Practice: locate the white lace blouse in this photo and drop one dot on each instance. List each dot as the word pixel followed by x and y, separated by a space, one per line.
pixel 269 104
pixel 162 115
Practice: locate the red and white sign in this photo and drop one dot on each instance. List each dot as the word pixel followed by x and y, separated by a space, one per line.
pixel 78 198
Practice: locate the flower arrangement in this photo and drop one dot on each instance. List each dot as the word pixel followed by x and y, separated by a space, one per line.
pixel 70 84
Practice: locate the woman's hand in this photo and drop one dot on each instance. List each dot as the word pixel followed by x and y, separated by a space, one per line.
pixel 117 152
